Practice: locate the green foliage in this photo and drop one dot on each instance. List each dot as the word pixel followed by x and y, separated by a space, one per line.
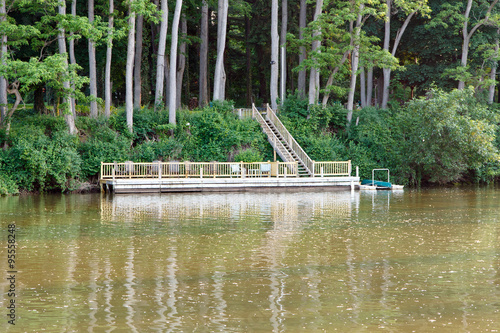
pixel 40 162
pixel 447 134
pixel 7 185
pixel 248 155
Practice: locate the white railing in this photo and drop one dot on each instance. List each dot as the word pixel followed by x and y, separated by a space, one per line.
pixel 172 169
pixel 271 137
pixel 308 163
pixel 243 113
pixel 325 169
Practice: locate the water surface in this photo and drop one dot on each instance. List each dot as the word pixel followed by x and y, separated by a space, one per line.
pixel 413 261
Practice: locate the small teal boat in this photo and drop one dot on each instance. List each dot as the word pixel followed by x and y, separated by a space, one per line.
pixel 378 184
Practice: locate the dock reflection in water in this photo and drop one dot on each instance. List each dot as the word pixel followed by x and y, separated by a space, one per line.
pixel 264 262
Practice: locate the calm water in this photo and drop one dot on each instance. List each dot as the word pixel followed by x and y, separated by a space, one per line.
pixel 424 261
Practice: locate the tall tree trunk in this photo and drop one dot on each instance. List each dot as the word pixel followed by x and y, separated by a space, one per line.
pixel 493 73
pixel 160 64
pixel 61 39
pixel 273 85
pixel 314 74
pixel 109 54
pixel 137 62
pixel 129 69
pixel 203 80
pixel 219 76
pixel 284 27
pixel 92 66
pixel 354 66
pixel 72 58
pixel 468 34
pixel 181 64
pixel 172 103
pixel 301 85
pixel 362 83
pixel 3 54
pixel 369 87
pixel 248 62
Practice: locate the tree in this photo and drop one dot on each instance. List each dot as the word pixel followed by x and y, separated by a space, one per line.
pixel 314 73
pixel 138 61
pixel 72 58
pixel 3 54
pixel 284 27
pixel 446 134
pixel 301 85
pixel 160 64
pixel 356 32
pixel 109 54
pixel 409 8
pixel 203 79
pixel 219 75
pixel 468 34
pixel 172 103
pixel 129 93
pixel 181 63
pixel 68 111
pixel 274 54
pixel 92 66
pixel 493 72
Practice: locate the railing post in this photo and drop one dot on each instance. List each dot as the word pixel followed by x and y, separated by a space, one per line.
pixel 349 167
pixel 357 170
pixel 160 170
pixel 201 171
pixel 321 171
pixel 113 172
pixel 286 171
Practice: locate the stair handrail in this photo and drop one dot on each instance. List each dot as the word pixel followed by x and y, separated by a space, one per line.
pixel 271 137
pixel 306 160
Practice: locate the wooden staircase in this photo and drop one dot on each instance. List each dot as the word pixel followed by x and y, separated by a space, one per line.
pixel 283 142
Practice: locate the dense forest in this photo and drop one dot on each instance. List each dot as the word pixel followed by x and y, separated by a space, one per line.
pixel 388 83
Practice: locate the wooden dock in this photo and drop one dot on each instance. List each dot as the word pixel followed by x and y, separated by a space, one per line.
pixel 159 177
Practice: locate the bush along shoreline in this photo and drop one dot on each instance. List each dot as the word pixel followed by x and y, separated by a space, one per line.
pixel 445 138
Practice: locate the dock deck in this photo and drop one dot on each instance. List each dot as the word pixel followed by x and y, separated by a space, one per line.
pixel 158 177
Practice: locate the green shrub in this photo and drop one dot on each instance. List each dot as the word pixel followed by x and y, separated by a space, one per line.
pixel 37 161
pixel 248 155
pixel 7 185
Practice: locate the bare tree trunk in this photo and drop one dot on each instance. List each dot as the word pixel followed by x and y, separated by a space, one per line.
pixel 92 66
pixel 181 64
pixel 129 68
pixel 204 56
pixel 369 87
pixel 172 103
pixel 362 83
pixel 301 87
pixel 137 62
pixel 72 58
pixel 314 75
pixel 284 27
pixel 160 64
pixel 273 84
pixel 468 34
pixel 61 39
pixel 354 66
pixel 326 96
pixel 109 53
pixel 248 62
pixel 219 76
pixel 3 53
pixel 493 73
